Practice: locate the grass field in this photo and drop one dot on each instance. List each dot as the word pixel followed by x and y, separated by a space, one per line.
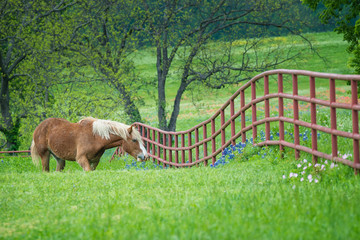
pixel 255 194
pixel 250 197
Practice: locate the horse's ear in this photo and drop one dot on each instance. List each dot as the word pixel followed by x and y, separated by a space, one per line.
pixel 130 129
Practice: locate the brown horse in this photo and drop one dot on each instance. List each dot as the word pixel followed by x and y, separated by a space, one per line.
pixel 83 142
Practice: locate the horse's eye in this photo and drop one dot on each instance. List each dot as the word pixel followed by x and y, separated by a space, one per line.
pixel 134 140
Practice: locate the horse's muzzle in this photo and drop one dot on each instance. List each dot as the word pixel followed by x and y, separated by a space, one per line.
pixel 141 157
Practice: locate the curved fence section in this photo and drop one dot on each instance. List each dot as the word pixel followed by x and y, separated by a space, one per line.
pixel 286 100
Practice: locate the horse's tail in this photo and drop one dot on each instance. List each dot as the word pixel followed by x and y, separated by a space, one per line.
pixel 34 154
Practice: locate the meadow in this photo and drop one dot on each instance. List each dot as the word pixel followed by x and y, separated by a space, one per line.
pixel 199 103
pixel 250 193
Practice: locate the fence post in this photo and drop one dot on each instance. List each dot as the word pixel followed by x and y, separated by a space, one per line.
pixel 313 118
pixel 296 115
pixel 334 145
pixel 355 119
pixel 164 149
pixel 182 146
pixel 243 125
pixel 170 151
pixel 196 142
pixel 281 110
pixel 190 145
pixel 158 146
pixel 253 110
pixel 205 144
pixel 267 108
pixel 232 112
pixel 153 145
pixel 147 142
pixel 176 146
pixel 213 143
pixel 222 121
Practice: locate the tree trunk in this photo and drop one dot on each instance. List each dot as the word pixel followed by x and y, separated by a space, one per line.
pixel 10 130
pixel 160 65
pixel 131 110
pixel 12 136
pixel 176 108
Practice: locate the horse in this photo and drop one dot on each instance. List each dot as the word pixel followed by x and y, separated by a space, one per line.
pixel 84 142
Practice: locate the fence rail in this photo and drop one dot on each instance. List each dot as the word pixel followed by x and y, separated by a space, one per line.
pixel 15 152
pixel 211 137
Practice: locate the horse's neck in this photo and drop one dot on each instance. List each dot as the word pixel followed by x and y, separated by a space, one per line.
pixel 114 141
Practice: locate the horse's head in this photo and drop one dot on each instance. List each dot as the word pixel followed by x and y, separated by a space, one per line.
pixel 134 145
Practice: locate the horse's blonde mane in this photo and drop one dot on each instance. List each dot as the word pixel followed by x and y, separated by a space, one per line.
pixel 104 128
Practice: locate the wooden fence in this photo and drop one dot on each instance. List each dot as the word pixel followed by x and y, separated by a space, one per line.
pixel 205 141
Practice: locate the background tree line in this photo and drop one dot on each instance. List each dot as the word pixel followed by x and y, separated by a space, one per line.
pixel 72 58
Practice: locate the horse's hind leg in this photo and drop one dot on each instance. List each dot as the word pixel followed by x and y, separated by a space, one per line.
pixel 45 159
pixel 60 165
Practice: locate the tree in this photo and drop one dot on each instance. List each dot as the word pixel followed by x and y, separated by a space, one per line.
pixel 346 14
pixel 182 30
pixel 22 42
pixel 105 36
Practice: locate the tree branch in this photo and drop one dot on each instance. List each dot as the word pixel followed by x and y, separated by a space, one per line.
pixel 55 9
pixel 15 63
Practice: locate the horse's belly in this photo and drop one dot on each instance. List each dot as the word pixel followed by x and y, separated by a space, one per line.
pixel 63 149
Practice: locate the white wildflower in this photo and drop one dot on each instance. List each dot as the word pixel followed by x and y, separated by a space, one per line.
pixel 305 161
pixel 345 156
pixel 303 172
pixel 302 179
pixel 310 164
pixel 316 181
pixel 332 165
pixel 284 176
pixel 305 168
pixel 317 165
pixel 310 176
pixel 299 165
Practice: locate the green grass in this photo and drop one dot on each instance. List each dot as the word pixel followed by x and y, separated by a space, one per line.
pixel 244 199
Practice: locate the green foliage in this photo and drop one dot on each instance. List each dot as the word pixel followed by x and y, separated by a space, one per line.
pixel 346 14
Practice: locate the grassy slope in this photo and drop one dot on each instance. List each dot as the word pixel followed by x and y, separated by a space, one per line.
pixel 240 200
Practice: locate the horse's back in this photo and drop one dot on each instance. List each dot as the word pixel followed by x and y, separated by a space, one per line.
pixel 48 124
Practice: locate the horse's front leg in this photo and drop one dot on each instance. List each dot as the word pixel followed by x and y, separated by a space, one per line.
pixel 84 163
